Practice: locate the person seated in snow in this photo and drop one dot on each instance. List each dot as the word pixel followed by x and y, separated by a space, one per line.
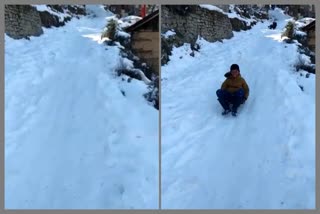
pixel 234 90
pixel 273 25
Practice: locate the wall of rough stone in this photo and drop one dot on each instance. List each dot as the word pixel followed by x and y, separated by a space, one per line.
pixel 211 25
pixel 190 21
pixel 22 21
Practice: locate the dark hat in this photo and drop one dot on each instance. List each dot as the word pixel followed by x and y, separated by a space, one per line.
pixel 234 67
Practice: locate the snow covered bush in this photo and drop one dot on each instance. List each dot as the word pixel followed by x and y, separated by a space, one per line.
pixel 306 59
pixel 114 33
pixel 304 63
pixel 125 66
pixel 104 34
pixel 153 95
pixel 289 31
pixel 292 32
pixel 111 30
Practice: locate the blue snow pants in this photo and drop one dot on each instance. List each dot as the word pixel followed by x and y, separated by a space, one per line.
pixel 226 98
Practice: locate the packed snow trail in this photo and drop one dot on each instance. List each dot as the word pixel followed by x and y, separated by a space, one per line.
pixel 262 159
pixel 72 140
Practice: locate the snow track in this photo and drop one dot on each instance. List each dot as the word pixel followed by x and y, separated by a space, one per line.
pixel 262 159
pixel 72 139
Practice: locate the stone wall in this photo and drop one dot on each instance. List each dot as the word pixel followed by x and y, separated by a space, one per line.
pixel 190 21
pixel 48 20
pixel 22 21
pixel 238 25
pixel 211 25
pixel 304 10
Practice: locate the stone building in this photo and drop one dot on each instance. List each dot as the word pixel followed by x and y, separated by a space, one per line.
pixel 311 35
pixel 145 39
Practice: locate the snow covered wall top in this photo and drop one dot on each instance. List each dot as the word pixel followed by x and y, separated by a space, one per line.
pixel 211 25
pixel 23 21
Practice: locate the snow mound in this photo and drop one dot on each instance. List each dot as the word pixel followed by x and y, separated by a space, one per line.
pixel 278 14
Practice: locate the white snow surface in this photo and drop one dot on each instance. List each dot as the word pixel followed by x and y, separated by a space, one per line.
pixel 128 21
pixel 72 140
pixel 304 59
pixel 262 159
pixel 279 15
pixel 231 15
pixel 123 23
pixel 128 64
pixel 301 33
pixel 123 34
pixel 211 7
pixel 303 22
pixel 169 33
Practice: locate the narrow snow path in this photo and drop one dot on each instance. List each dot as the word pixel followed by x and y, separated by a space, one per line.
pixel 72 139
pixel 264 158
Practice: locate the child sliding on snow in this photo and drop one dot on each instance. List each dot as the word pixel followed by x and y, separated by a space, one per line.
pixel 234 90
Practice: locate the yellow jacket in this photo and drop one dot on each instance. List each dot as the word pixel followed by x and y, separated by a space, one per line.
pixel 232 84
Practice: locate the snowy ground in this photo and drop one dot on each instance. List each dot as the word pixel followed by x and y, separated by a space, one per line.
pixel 231 14
pixel 264 158
pixel 72 140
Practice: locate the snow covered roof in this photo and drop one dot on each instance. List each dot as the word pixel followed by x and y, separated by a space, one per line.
pixel 143 21
pixel 309 26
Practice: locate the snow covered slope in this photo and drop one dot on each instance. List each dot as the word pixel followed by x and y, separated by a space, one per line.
pixel 262 159
pixel 72 139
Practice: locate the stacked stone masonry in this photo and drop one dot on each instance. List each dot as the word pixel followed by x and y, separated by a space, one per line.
pixel 22 21
pixel 211 25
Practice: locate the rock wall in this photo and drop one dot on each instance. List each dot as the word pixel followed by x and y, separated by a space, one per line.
pixel 211 25
pixel 48 20
pixel 22 21
pixel 190 21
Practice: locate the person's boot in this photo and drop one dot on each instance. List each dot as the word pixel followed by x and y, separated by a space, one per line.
pixel 235 106
pixel 234 109
pixel 226 111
